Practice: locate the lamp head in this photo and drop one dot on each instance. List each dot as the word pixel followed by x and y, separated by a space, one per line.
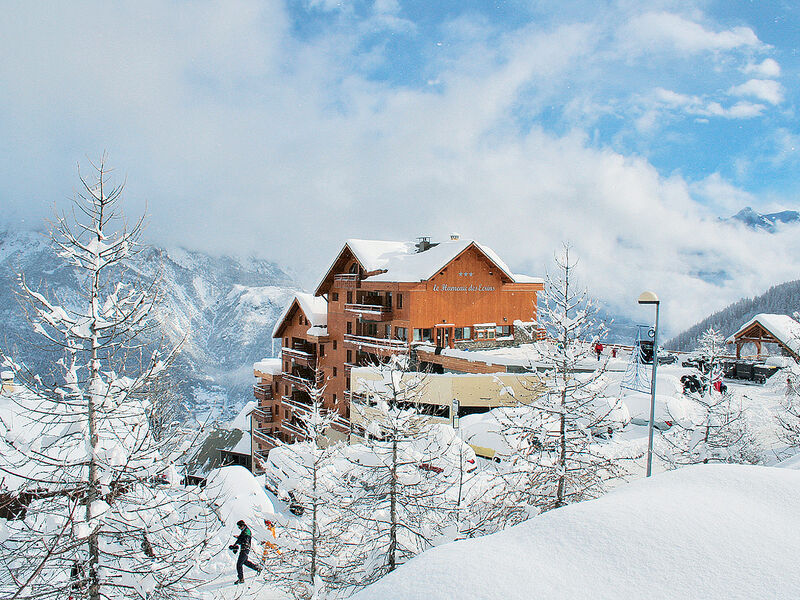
pixel 648 298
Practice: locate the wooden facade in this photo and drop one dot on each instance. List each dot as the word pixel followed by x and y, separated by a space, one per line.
pixel 371 315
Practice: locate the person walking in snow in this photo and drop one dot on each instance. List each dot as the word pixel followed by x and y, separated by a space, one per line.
pixel 242 544
pixel 598 348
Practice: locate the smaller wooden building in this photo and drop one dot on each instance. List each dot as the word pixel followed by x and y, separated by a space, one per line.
pixel 763 329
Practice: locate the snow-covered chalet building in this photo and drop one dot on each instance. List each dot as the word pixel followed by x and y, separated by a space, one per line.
pixel 380 298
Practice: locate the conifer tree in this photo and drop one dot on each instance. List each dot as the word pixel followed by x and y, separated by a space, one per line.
pixel 101 510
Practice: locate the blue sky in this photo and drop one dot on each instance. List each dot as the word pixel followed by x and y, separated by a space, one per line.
pixel 245 127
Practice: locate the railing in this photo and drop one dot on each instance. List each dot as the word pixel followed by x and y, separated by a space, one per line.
pixel 307 382
pixel 293 429
pixel 294 404
pixel 347 280
pixel 374 311
pixel 266 439
pixel 262 392
pixel 300 357
pixel 372 342
pixel 263 416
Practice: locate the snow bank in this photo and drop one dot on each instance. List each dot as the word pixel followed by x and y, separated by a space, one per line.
pixel 236 495
pixel 708 531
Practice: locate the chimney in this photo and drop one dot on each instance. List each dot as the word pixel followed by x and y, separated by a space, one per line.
pixel 424 244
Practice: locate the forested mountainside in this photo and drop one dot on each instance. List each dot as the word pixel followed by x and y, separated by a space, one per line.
pixel 222 309
pixel 779 299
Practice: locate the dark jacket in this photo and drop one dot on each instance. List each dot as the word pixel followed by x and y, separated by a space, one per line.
pixel 244 540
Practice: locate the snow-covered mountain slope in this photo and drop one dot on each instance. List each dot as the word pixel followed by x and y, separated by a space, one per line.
pixel 768 222
pixel 222 308
pixel 708 531
pixel 782 299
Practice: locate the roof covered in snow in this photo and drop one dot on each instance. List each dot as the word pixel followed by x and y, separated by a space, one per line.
pixel 785 329
pixel 401 262
pixel 315 309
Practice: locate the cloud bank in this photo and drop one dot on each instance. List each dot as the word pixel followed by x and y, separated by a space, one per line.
pixel 280 130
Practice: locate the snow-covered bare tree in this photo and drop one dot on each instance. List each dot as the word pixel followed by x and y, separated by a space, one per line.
pixel 554 436
pixel 716 429
pixel 789 417
pixel 101 511
pixel 394 490
pixel 303 559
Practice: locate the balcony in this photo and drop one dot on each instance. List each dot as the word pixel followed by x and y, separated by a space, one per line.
pixel 263 416
pixel 370 312
pixel 300 357
pixel 348 281
pixel 380 345
pixel 303 381
pixel 295 405
pixel 293 429
pixel 263 393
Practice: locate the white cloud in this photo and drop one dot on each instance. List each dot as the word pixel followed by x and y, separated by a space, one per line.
pixel 762 89
pixel 700 106
pixel 245 139
pixel 655 30
pixel 769 67
pixel 721 196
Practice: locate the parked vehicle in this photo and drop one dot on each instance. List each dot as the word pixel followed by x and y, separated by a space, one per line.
pixel 748 370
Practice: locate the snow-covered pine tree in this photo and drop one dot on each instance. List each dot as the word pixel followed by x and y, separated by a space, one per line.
pixel 556 458
pixel 100 512
pixel 395 496
pixel 304 558
pixel 717 429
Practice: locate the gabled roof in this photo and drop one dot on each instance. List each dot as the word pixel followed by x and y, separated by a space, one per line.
pixel 314 308
pixel 401 262
pixel 784 328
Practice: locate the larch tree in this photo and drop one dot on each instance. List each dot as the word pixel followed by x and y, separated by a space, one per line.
pixel 303 558
pixel 100 510
pixel 394 494
pixel 555 436
pixel 716 429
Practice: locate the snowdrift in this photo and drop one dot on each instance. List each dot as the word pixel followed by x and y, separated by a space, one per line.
pixel 708 531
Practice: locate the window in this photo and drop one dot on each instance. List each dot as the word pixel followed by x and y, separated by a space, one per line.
pixel 350 356
pixel 349 327
pixel 334 344
pixel 334 296
pixel 285 342
pixel 399 300
pixel 423 335
pixel 334 398
pixel 484 333
pixel 349 297
pixel 503 330
pixel 463 333
pixel 354 268
pixel 388 299
pixel 334 371
pixel 401 333
pixel 388 331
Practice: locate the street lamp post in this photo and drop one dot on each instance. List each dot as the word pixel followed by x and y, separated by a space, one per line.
pixel 651 298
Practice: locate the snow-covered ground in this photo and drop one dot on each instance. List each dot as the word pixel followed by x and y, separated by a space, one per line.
pixel 707 531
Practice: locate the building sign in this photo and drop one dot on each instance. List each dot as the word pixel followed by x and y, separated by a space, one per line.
pixel 462 288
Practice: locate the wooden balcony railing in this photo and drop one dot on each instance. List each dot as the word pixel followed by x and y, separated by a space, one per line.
pixel 293 429
pixel 300 357
pixel 294 404
pixel 370 312
pixel 263 416
pixel 306 382
pixel 350 281
pixel 360 341
pixel 262 392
